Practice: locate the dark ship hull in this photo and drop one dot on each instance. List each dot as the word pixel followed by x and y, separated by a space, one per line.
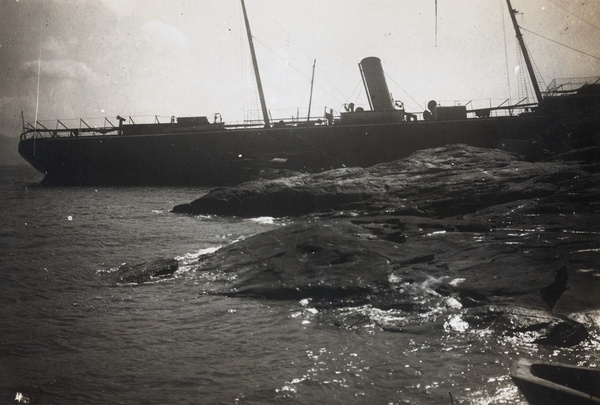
pixel 221 156
pixel 228 156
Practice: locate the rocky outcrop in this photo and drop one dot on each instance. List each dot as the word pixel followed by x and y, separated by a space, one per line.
pixel 291 196
pixel 542 327
pixel 143 272
pixel 331 261
pixel 342 262
pixel 475 231
pixel 440 182
pixel 552 293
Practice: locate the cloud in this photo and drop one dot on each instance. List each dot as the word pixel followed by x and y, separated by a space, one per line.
pixel 164 34
pixel 61 69
pixel 121 8
pixel 59 48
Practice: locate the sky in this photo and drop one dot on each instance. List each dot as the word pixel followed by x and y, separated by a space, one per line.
pixel 143 58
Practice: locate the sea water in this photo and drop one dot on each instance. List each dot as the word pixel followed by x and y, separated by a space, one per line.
pixel 69 336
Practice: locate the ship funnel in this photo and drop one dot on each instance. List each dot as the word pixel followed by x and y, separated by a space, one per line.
pixel 375 84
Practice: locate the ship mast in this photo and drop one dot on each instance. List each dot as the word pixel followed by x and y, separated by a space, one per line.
pixel 312 81
pixel 536 86
pixel 261 95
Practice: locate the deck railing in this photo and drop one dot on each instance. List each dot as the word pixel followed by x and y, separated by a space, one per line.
pixel 106 126
pixel 84 126
pixel 563 86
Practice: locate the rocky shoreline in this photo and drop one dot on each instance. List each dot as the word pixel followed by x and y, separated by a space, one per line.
pixel 496 241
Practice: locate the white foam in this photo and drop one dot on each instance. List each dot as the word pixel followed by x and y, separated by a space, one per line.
pixel 453 303
pixel 195 255
pixel 263 220
pixel 456 323
pixel 457 281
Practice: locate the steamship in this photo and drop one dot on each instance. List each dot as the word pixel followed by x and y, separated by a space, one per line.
pixel 196 151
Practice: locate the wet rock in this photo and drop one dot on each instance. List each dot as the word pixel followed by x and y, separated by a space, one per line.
pixel 589 155
pixel 542 327
pixel 439 182
pixel 552 293
pixel 290 196
pixel 330 261
pixel 458 229
pixel 144 272
pixel 563 333
pixel 471 299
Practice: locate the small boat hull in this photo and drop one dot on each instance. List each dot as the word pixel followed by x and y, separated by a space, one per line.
pixel 546 383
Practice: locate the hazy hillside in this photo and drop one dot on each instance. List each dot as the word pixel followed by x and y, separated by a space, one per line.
pixel 8 151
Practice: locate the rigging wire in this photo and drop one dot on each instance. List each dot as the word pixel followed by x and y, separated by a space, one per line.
pixel 558 43
pixel 37 101
pixel 536 70
pixel 309 59
pixel 400 87
pixel 304 75
pixel 251 110
pixel 522 88
pixel 354 91
pixel 436 22
pixel 581 18
pixel 242 64
pixel 505 48
pixel 296 69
